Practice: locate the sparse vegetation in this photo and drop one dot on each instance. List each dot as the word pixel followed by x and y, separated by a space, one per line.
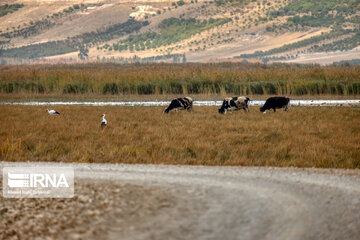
pixel 172 30
pixel 340 45
pixel 39 50
pixel 33 28
pixel 198 28
pixel 322 137
pixel 73 44
pixel 6 9
pixel 313 44
pixel 234 2
pixel 317 13
pixel 174 58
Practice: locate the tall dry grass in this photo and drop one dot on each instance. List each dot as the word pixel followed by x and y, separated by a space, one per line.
pixel 303 137
pixel 146 79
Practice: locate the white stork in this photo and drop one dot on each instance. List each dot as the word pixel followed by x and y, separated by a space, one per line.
pixel 103 122
pixel 52 112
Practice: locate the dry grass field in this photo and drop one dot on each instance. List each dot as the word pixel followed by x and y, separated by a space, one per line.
pixel 322 137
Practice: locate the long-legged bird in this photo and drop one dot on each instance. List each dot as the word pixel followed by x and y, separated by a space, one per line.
pixel 103 122
pixel 52 112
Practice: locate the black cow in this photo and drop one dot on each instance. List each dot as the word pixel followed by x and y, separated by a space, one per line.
pixel 184 103
pixel 234 103
pixel 275 102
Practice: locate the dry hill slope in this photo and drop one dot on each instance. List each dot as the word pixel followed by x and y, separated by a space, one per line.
pixel 192 30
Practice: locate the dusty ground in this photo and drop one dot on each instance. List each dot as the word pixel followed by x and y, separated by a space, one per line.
pixel 182 202
pixel 96 209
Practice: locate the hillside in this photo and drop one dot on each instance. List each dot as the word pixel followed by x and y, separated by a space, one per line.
pixel 179 31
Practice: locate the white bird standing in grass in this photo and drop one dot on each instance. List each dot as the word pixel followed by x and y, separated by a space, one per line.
pixel 103 122
pixel 52 112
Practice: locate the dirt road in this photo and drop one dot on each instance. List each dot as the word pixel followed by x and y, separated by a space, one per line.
pixel 183 202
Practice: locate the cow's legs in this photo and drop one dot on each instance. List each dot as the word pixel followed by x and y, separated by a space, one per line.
pixel 190 109
pixel 274 109
pixel 286 108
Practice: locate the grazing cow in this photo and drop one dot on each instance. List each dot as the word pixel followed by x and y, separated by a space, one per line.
pixel 184 103
pixel 234 103
pixel 275 102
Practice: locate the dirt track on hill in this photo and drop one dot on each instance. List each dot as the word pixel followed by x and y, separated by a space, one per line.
pixel 183 202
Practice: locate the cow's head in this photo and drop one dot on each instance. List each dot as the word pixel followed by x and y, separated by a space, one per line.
pixel 262 109
pixel 221 110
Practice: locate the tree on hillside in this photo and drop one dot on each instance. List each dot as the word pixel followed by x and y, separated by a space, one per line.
pixel 83 53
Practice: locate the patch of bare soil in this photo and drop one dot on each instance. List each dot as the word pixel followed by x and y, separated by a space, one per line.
pixel 98 208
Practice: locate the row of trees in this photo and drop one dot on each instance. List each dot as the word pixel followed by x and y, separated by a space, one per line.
pixel 172 30
pixel 340 45
pixel 169 58
pixel 78 43
pixel 34 27
pixel 318 13
pixel 312 43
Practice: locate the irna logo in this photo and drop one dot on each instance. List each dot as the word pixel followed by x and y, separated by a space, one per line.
pixel 16 180
pixel 38 182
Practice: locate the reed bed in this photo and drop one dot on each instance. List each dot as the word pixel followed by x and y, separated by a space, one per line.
pixel 167 79
pixel 325 137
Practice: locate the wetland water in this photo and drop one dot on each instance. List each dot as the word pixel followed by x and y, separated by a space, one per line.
pixel 164 103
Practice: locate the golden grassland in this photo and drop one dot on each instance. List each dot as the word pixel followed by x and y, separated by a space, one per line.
pixel 325 137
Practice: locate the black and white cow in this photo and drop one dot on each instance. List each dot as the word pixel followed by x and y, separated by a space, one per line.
pixel 184 103
pixel 274 103
pixel 234 103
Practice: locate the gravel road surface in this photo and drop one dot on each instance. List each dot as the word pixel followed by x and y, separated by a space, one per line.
pixel 185 202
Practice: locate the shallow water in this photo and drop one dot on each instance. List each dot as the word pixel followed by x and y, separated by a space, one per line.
pixel 164 103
